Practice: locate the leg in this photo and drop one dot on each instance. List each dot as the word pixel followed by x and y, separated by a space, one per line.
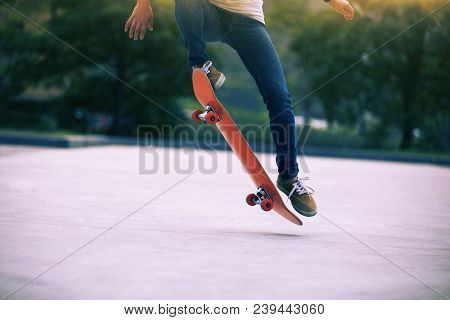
pixel 252 42
pixel 197 22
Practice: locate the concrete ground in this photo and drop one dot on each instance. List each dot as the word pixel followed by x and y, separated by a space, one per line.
pixel 92 224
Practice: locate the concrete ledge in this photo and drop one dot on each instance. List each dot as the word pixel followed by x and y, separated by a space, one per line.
pixel 77 141
pixel 63 141
pixel 376 155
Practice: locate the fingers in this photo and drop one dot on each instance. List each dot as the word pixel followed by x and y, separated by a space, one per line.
pixel 150 24
pixel 348 12
pixel 132 28
pixel 143 31
pixel 137 29
pixel 128 24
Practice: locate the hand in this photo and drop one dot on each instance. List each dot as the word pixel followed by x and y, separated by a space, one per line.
pixel 344 8
pixel 140 20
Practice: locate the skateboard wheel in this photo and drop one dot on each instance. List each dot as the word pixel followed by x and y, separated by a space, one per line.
pixel 195 115
pixel 267 204
pixel 211 118
pixel 250 198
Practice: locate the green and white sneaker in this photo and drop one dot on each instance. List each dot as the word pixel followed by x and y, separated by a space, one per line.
pixel 216 77
pixel 299 194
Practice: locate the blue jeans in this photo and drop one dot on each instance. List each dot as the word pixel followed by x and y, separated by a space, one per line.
pixel 199 22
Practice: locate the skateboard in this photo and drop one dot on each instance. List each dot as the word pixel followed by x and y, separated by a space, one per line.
pixel 266 195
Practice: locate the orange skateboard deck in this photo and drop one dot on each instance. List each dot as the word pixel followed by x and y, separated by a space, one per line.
pixel 267 195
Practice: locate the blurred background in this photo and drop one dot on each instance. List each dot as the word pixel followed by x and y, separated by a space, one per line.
pixel 122 222
pixel 380 82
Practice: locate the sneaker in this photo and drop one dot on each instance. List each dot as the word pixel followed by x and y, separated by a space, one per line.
pixel 299 194
pixel 216 77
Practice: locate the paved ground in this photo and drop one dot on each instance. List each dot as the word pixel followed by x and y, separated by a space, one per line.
pixel 84 224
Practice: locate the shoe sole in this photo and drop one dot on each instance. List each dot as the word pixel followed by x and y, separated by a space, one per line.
pixel 306 214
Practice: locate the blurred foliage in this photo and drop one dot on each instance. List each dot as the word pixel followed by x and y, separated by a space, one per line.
pixel 389 67
pixel 381 81
pixel 85 53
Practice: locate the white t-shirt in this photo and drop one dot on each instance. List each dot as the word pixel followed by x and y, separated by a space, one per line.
pixel 249 8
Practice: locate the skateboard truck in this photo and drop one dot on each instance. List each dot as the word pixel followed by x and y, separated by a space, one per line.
pixel 262 198
pixel 209 116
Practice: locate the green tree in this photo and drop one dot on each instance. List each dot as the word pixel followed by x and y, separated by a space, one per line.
pixel 17 49
pixel 83 50
pixel 389 78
